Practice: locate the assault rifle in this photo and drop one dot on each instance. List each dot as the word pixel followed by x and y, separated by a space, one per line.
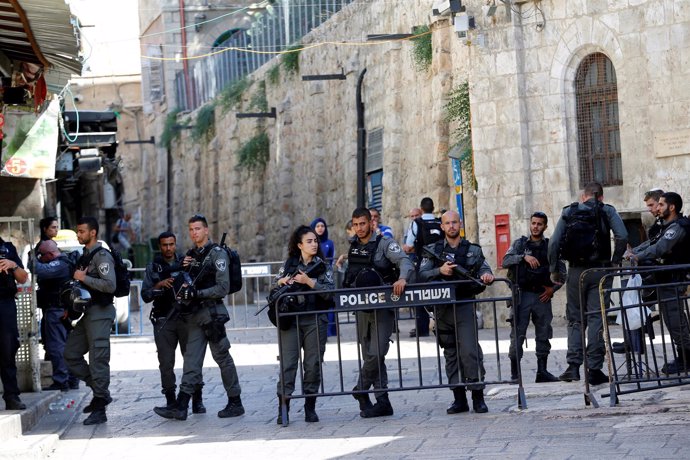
pixel 458 269
pixel 314 271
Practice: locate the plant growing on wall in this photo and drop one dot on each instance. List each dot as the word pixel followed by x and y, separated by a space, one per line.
pixel 422 49
pixel 273 75
pixel 232 94
pixel 291 59
pixel 258 100
pixel 205 123
pixel 254 154
pixel 171 129
pixel 458 111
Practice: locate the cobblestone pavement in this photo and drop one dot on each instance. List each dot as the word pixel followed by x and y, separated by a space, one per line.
pixel 556 423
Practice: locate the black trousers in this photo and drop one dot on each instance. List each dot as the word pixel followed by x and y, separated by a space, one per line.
pixel 9 344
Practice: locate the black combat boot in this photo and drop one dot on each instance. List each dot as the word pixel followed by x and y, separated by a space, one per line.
pixel 572 373
pixel 310 409
pixel 478 403
pixel 198 403
pixel 543 375
pixel 380 409
pixel 97 414
pixel 170 400
pixel 513 369
pixel 363 399
pixel 460 401
pixel 597 377
pixel 233 409
pixel 279 420
pixel 90 407
pixel 179 411
pixel 679 365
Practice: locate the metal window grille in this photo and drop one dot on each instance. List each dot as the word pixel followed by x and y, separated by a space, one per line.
pixel 598 129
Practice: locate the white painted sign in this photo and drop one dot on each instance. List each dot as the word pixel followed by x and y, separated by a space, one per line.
pixel 672 143
pixel 256 270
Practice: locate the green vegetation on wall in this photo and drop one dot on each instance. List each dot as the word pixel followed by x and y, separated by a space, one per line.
pixel 258 100
pixel 205 124
pixel 422 49
pixel 232 94
pixel 458 111
pixel 171 130
pixel 273 75
pixel 291 59
pixel 254 154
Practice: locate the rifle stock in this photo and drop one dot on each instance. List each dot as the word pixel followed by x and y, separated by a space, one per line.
pixel 314 271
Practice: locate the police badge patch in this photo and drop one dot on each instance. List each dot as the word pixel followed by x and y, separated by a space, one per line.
pixel 104 269
pixel 221 265
pixel 670 234
pixel 394 247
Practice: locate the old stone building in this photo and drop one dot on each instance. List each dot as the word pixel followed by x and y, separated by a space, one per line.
pixel 561 92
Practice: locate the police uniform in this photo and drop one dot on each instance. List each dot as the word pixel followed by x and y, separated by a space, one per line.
pixel 530 284
pixel 672 247
pixel 168 329
pixel 92 333
pixel 456 325
pixel 604 258
pixel 374 263
pixel 9 332
pixel 51 276
pixel 310 334
pixel 204 318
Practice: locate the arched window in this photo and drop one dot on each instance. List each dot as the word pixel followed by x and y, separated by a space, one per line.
pixel 598 131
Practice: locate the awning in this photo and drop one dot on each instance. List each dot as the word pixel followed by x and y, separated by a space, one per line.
pixel 40 32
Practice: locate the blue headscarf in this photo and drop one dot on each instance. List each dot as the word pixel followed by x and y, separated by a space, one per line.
pixel 323 237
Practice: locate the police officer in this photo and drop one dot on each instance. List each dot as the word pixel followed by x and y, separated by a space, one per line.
pixel 168 329
pixel 304 252
pixel 53 269
pixel 205 315
pixel 606 220
pixel 528 264
pixel 374 260
pixel 672 248
pixel 96 273
pixel 11 272
pixel 456 325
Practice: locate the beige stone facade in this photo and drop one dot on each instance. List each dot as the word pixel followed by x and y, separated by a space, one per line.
pixel 521 68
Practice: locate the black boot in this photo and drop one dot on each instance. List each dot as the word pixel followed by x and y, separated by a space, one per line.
pixel 478 403
pixel 542 374
pixel 198 403
pixel 97 413
pixel 513 369
pixel 678 365
pixel 363 399
pixel 179 411
pixel 279 420
pixel 92 405
pixel 570 374
pixel 310 409
pixel 380 409
pixel 233 409
pixel 460 402
pixel 170 400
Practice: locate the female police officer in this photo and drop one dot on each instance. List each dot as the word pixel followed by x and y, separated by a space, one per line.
pixel 304 270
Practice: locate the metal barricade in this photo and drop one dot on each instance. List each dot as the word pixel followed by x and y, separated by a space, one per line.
pixel 653 321
pixel 417 363
pixel 256 283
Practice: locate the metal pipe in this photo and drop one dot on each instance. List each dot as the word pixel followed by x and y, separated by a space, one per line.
pixel 185 66
pixel 361 144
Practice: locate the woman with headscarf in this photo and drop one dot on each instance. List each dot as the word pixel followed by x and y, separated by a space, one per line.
pixel 307 332
pixel 328 248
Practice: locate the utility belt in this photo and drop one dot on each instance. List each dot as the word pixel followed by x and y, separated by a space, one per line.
pixel 533 289
pixel 212 317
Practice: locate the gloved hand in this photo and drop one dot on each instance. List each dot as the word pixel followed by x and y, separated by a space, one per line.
pixel 187 293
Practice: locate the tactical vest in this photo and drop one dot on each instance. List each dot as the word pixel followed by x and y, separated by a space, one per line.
pixel 361 257
pixel 97 297
pixel 534 279
pixel 459 256
pixel 48 293
pixel 8 287
pixel 163 303
pixel 681 251
pixel 204 276
pixel 312 302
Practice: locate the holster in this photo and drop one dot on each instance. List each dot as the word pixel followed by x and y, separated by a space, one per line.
pixel 212 318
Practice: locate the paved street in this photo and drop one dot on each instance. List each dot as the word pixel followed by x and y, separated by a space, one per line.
pixel 556 424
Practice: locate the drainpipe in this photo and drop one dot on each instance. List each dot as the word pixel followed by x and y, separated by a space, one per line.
pixel 361 144
pixel 185 66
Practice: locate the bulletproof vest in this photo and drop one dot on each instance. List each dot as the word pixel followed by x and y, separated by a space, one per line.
pixel 534 278
pixel 163 270
pixel 203 276
pixel 586 240
pixel 655 232
pixel 8 287
pixel 362 256
pixel 460 256
pixel 428 232
pixel 681 250
pixel 312 302
pixel 48 293
pixel 97 297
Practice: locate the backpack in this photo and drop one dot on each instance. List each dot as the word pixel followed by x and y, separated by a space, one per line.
pixel 235 266
pixel 583 241
pixel 121 273
pixel 428 232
